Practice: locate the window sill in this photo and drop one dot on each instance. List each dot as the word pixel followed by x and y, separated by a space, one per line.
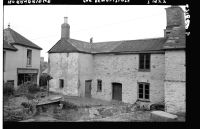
pixel 28 65
pixel 143 100
pixel 144 70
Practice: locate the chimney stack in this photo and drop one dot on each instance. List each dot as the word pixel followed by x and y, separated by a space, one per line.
pixel 65 29
pixel 175 22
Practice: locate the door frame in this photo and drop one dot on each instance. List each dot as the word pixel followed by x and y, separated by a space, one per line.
pixel 90 88
pixel 113 89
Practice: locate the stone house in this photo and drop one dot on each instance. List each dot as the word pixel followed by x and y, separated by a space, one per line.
pixel 148 70
pixel 21 58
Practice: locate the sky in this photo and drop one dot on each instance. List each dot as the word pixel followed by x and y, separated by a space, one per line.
pixel 41 24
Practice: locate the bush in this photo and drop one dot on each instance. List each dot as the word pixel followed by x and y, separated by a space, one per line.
pixel 22 89
pixel 27 87
pixel 44 77
pixel 33 88
pixel 8 88
pixel 68 105
pixel 43 80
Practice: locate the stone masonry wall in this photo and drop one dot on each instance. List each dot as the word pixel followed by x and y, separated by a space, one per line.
pixel 85 71
pixel 64 66
pixel 124 69
pixel 175 88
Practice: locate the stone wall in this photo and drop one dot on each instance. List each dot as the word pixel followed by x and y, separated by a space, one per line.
pixel 85 71
pixel 64 66
pixel 175 88
pixel 124 69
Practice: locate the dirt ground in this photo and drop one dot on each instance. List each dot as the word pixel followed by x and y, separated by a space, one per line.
pixel 87 109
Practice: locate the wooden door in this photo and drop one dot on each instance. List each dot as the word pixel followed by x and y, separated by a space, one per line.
pixel 117 91
pixel 88 87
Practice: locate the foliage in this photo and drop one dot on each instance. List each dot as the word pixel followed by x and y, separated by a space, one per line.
pixel 29 106
pixel 44 77
pixel 27 87
pixel 33 88
pixel 8 88
pixel 68 105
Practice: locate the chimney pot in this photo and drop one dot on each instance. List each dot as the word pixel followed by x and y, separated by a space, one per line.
pixel 65 19
pixel 8 25
pixel 65 29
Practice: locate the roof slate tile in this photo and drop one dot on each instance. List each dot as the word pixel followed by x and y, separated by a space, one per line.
pixel 13 37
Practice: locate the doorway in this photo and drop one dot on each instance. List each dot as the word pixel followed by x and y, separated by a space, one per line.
pixel 117 91
pixel 88 87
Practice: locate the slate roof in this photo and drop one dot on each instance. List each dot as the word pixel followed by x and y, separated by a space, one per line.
pixel 141 45
pixel 8 46
pixel 13 37
pixel 105 47
pixel 70 45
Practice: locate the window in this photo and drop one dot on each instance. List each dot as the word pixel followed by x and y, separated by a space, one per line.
pixel 144 62
pixel 11 82
pixel 29 56
pixel 99 85
pixel 4 61
pixel 143 91
pixel 26 77
pixel 61 83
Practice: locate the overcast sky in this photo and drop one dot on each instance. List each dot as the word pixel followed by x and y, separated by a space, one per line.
pixel 42 23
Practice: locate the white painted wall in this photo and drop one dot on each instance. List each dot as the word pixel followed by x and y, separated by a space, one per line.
pixel 18 59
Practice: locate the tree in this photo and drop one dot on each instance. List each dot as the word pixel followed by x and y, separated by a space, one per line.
pixel 44 80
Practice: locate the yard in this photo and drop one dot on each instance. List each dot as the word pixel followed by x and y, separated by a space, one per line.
pixel 74 109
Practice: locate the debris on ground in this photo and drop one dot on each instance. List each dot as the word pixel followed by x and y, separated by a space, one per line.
pixel 27 108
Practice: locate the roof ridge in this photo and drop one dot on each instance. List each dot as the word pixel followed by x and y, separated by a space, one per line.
pixel 130 40
pixel 79 40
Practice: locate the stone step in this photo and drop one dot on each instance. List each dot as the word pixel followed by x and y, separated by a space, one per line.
pixel 162 116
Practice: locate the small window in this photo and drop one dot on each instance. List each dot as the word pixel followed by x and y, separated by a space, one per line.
pixel 168 32
pixel 11 82
pixel 29 56
pixel 61 83
pixel 144 62
pixel 143 91
pixel 99 85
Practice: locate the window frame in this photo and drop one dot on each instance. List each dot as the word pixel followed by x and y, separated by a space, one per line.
pixel 144 63
pixel 143 91
pixel 99 87
pixel 29 57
